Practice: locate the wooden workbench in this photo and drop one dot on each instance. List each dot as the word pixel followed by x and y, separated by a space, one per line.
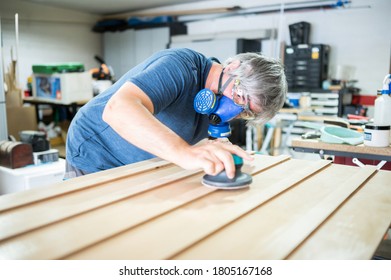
pixel 294 209
pixel 358 151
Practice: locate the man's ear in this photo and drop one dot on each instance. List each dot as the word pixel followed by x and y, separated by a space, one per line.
pixel 233 65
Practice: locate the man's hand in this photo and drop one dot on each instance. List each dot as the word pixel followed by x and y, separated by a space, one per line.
pixel 212 157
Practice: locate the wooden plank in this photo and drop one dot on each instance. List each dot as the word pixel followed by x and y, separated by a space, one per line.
pixel 30 216
pixel 59 238
pixel 62 238
pixel 171 233
pixel 358 226
pixel 278 227
pixel 14 200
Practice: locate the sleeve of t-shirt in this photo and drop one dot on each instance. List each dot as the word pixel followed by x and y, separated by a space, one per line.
pixel 165 79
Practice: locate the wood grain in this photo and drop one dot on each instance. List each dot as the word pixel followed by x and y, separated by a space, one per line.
pixel 30 216
pixel 175 231
pixel 115 202
pixel 357 227
pixel 273 231
pixel 34 195
pixel 294 209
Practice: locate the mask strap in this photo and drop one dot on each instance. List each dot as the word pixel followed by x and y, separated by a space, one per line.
pixel 222 88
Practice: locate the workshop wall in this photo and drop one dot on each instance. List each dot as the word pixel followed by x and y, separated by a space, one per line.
pixel 359 37
pixel 47 35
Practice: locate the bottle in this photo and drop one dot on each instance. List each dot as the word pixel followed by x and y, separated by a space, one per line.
pixel 305 101
pixel 382 115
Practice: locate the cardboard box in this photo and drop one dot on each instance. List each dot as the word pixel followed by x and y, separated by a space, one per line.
pixel 13 98
pixel 21 118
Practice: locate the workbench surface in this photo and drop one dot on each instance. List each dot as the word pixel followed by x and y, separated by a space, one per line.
pixel 294 209
pixel 360 151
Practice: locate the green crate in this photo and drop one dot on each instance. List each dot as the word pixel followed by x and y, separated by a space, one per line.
pixel 58 68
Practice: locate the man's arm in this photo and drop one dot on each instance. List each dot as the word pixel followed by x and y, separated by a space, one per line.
pixel 130 113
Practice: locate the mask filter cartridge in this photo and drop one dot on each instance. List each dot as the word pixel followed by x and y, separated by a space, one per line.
pixel 220 110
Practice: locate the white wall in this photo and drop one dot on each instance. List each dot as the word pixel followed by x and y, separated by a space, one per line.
pixel 48 35
pixel 124 50
pixel 360 38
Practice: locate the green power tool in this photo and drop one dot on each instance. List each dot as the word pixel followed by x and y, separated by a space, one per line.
pixel 221 180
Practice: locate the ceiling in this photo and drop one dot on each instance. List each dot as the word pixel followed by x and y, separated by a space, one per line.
pixel 110 9
pixel 105 7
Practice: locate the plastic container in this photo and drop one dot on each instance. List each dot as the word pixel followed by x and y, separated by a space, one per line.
pixel 70 67
pixel 376 135
pixel 305 100
pixel 63 88
pixel 382 114
pixel 294 99
pixel 340 135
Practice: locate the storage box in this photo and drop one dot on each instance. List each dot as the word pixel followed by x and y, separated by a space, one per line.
pixel 32 176
pixel 300 33
pixel 21 118
pixel 63 88
pixel 48 156
pixel 70 67
pixel 306 66
pixel 15 154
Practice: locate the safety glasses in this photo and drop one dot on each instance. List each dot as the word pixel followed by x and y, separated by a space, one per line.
pixel 240 99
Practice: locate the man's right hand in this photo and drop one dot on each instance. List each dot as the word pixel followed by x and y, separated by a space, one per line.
pixel 212 157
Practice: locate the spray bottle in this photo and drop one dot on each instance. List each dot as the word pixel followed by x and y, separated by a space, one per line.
pixel 380 129
pixel 382 114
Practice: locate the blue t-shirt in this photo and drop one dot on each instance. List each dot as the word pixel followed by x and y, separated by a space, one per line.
pixel 171 78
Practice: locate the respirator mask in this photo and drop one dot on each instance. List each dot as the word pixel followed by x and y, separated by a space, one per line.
pixel 218 107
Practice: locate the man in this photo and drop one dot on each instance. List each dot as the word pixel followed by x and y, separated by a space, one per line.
pixel 149 112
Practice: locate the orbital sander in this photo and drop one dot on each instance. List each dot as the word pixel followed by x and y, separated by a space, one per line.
pixel 221 181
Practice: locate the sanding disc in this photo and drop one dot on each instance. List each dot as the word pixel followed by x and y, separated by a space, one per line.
pixel 221 181
pixel 225 187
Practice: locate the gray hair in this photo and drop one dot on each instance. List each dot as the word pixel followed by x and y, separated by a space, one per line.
pixel 263 80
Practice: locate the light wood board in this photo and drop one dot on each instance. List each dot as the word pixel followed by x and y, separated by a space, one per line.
pixel 294 209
